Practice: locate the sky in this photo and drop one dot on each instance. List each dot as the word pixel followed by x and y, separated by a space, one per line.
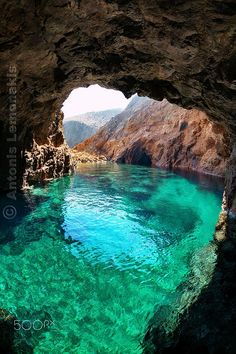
pixel 91 99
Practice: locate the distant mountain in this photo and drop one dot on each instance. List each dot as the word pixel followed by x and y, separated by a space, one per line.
pixel 95 119
pixel 161 134
pixel 82 126
pixel 75 132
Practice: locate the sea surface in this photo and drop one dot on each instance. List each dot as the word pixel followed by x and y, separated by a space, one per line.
pixel 91 260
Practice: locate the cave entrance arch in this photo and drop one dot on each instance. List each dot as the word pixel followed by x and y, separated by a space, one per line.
pixel 86 110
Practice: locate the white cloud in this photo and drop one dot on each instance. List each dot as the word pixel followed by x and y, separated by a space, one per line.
pixel 93 98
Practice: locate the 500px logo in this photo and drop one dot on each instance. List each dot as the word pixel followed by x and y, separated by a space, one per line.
pixel 36 325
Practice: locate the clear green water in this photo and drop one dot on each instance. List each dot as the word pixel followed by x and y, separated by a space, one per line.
pixel 100 252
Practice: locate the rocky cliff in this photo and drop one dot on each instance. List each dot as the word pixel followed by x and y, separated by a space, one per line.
pixel 48 160
pixel 162 134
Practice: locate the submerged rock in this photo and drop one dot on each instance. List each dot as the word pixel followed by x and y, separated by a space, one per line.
pixel 10 340
pixel 7 332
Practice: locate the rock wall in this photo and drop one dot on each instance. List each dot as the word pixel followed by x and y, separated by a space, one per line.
pixel 49 160
pixel 230 208
pixel 45 162
pixel 161 134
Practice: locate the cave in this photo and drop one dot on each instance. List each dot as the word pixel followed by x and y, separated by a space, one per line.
pixel 137 155
pixel 183 51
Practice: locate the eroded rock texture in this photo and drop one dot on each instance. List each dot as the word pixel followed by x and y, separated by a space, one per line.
pixel 161 134
pixel 49 160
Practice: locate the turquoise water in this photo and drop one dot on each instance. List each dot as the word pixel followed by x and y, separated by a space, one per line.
pixel 100 252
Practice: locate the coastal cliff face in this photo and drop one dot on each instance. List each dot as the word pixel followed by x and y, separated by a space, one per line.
pixel 162 134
